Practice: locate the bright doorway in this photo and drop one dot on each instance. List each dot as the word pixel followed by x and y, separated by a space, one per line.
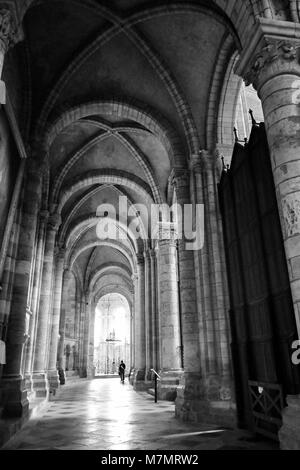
pixel 112 334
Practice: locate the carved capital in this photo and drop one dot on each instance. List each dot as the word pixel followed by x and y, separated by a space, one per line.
pixel 180 177
pixel 196 164
pixel 273 58
pixel 59 254
pixel 43 216
pixel 140 258
pixel 54 221
pixel 274 49
pixel 10 32
pixel 36 167
pixel 167 232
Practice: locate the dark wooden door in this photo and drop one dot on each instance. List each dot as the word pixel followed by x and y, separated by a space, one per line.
pixel 261 311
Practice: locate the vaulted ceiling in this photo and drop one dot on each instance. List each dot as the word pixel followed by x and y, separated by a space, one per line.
pixel 120 94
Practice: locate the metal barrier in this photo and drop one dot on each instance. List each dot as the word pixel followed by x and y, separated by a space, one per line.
pixel 267 404
pixel 156 378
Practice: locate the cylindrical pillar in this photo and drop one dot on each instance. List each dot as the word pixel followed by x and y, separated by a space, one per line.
pixel 12 383
pixel 190 390
pixel 169 321
pixel 35 297
pixel 148 316
pixel 62 319
pixel 140 346
pixel 40 384
pixel 53 377
pixel 154 309
pixel 169 306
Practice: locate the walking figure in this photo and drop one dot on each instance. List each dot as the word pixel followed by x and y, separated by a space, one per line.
pixel 122 371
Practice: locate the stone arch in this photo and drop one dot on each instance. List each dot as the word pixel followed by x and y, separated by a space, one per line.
pixel 152 56
pixel 79 153
pixel 73 255
pixel 108 268
pixel 89 221
pixel 111 288
pixel 133 110
pixel 110 177
pixel 70 216
pixel 111 278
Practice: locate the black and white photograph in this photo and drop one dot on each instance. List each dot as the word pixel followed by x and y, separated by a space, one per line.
pixel 149 230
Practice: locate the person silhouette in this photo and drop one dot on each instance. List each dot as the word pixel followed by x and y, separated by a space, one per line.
pixel 122 371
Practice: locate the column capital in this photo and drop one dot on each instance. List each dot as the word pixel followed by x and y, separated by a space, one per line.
pixel 59 252
pixel 36 166
pixel 274 49
pixel 202 161
pixel 43 215
pixel 196 164
pixel 166 232
pixel 180 176
pixel 54 221
pixel 10 31
pixel 140 258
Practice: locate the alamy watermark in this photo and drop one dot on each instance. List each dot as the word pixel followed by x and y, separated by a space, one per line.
pixel 156 221
pixel 296 353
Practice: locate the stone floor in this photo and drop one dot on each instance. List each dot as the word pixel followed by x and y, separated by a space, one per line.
pixel 103 414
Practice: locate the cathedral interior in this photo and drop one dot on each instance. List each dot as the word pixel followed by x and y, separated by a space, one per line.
pixel 150 207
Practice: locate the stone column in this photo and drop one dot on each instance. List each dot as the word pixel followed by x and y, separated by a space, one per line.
pixel 39 378
pixel 148 316
pixel 212 297
pixel 86 336
pixel 154 309
pixel 35 297
pixel 90 322
pixel 62 319
pixel 133 328
pixel 53 377
pixel 7 280
pixel 189 401
pixel 140 346
pixel 169 321
pixel 77 324
pixel 272 64
pixel 10 34
pixel 14 395
pixel 82 365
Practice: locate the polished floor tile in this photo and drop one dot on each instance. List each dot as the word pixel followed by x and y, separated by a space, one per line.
pixel 103 414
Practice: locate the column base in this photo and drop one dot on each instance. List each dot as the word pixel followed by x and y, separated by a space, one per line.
pixel 148 375
pixel 167 386
pixel 197 402
pixel 83 372
pixel 289 433
pixel 90 373
pixel 29 384
pixel 14 397
pixel 53 381
pixel 40 385
pixel 61 376
pixel 139 380
pixel 131 376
